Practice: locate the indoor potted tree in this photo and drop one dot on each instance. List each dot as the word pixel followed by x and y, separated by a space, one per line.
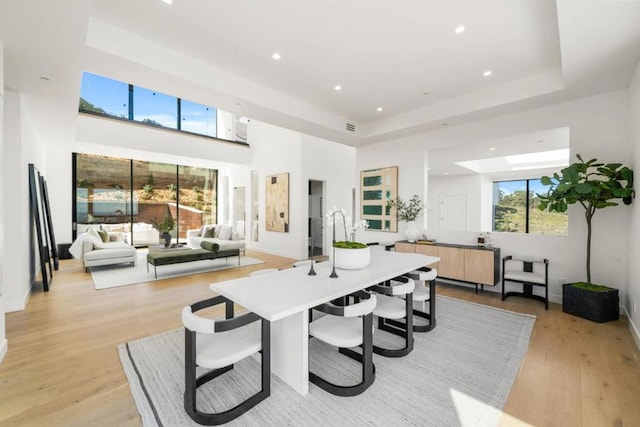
pixel 408 211
pixel 595 186
pixel 165 227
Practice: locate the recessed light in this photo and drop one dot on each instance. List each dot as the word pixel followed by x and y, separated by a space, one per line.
pixel 446 173
pixel 337 87
pixel 276 56
pixel 45 78
pixel 459 29
pixel 492 149
pixel 487 73
pixel 444 124
pixel 168 1
pixel 540 141
pixel 426 93
pixel 379 109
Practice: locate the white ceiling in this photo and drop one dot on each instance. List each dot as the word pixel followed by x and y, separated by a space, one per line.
pixel 383 54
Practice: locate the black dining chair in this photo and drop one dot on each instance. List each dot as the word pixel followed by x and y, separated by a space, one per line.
pixel 216 345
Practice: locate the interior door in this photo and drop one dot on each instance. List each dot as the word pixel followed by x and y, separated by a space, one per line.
pixel 453 212
pixel 316 237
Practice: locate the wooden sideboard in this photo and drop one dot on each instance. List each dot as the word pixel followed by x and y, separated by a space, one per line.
pixel 464 263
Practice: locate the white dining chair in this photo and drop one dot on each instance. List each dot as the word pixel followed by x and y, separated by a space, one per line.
pixel 346 327
pixel 395 301
pixel 216 345
pixel 425 291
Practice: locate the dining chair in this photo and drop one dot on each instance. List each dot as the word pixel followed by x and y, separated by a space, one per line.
pixel 216 345
pixel 425 291
pixel 347 327
pixel 391 307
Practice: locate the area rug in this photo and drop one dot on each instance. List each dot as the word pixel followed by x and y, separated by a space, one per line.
pixel 111 276
pixel 459 374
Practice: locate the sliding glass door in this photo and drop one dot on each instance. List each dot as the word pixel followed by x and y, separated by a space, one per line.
pixel 198 197
pixel 131 196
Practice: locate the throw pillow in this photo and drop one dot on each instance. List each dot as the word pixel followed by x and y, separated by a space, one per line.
pixel 225 232
pixel 93 232
pixel 210 246
pixel 209 232
pixel 103 235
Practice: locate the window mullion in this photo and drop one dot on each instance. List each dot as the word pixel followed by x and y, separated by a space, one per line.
pixel 527 206
pixel 130 102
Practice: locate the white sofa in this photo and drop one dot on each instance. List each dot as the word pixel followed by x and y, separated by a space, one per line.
pixel 143 234
pixel 223 235
pixel 94 251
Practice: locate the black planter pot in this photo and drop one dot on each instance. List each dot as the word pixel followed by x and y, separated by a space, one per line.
pixel 595 306
pixel 167 239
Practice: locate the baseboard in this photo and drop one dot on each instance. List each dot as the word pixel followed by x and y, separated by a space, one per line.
pixel 632 328
pixel 3 350
pixel 11 306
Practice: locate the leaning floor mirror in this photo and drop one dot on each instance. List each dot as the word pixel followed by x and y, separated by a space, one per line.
pixel 44 248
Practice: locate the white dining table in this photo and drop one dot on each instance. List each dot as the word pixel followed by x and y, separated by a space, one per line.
pixel 284 298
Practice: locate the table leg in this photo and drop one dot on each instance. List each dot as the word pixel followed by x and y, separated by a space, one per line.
pixel 290 350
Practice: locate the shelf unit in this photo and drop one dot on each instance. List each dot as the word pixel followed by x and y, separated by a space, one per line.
pixel 463 263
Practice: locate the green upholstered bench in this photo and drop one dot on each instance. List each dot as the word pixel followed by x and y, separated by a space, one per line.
pixel 209 250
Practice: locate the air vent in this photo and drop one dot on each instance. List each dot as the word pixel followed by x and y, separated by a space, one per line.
pixel 351 127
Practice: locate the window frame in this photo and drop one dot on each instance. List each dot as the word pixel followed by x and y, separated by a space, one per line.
pixel 527 210
pixel 131 120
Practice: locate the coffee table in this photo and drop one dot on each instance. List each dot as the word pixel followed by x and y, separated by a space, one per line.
pixel 167 256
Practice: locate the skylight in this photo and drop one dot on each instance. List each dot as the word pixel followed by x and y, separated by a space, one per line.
pixel 537 160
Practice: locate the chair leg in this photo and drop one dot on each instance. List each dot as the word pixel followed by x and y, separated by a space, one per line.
pixel 366 359
pixel 192 383
pixel 430 317
pixel 397 328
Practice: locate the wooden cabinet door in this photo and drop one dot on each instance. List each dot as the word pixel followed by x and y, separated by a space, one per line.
pixel 406 247
pixel 451 263
pixel 478 266
pixel 429 250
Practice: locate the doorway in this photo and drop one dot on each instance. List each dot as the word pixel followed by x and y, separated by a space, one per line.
pixel 315 229
pixel 453 212
pixel 239 211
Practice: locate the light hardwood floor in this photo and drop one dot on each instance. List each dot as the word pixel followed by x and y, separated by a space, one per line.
pixel 62 366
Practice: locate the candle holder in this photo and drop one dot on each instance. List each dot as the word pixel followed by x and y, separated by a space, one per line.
pixel 333 274
pixel 311 272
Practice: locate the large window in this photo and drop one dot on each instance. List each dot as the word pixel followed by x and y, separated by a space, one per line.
pixel 104 96
pixel 515 209
pixel 154 108
pixel 111 98
pixel 130 195
pixel 198 118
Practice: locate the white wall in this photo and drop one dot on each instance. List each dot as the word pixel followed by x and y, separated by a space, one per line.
pixel 22 146
pixel 598 128
pixel 333 164
pixel 275 150
pixel 3 340
pixel 469 186
pixel 633 271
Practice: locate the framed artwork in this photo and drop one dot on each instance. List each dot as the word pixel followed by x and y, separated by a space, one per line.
pixel 277 203
pixel 377 187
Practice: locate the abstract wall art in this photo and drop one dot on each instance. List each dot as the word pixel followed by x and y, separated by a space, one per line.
pixel 377 187
pixel 277 203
